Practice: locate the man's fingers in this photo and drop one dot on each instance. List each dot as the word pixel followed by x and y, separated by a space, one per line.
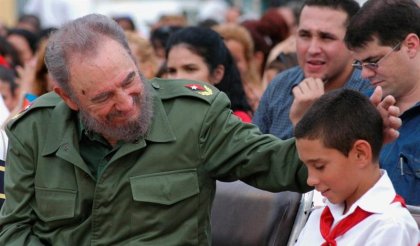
pixel 387 102
pixel 394 122
pixel 390 135
pixel 376 97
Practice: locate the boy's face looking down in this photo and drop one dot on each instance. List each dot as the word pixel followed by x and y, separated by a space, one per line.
pixel 337 177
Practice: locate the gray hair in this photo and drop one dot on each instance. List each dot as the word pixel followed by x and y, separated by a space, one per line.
pixel 81 36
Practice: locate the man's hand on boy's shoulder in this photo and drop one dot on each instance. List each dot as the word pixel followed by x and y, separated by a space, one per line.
pixel 310 89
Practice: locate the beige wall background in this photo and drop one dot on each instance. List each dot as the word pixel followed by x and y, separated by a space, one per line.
pixel 8 12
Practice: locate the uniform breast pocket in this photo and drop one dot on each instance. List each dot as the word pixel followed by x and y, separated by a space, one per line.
pixel 166 188
pixel 165 208
pixel 55 204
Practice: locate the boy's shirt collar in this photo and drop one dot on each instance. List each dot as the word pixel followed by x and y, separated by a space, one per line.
pixel 375 200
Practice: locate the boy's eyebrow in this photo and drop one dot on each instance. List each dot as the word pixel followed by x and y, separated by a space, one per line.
pixel 313 161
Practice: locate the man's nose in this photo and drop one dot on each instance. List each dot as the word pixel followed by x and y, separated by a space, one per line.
pixel 367 72
pixel 314 46
pixel 124 102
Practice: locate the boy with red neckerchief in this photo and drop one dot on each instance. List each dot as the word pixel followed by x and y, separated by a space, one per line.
pixel 339 140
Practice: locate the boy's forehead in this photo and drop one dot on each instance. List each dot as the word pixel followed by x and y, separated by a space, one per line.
pixel 305 144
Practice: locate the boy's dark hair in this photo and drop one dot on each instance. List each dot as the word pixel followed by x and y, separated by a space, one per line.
pixel 341 117
pixel 388 20
pixel 350 7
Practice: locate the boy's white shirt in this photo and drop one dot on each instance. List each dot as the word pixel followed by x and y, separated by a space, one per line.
pixel 391 223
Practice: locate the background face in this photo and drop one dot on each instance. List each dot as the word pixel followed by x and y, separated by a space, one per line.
pixel 9 100
pixel 320 48
pixel 396 73
pixel 184 64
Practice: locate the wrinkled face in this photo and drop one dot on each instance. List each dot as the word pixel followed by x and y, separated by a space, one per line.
pixel 321 50
pixel 238 53
pixel 329 171
pixel 21 46
pixel 184 64
pixel 393 71
pixel 110 93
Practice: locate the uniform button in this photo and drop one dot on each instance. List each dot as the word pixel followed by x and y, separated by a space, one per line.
pixel 155 85
pixel 66 147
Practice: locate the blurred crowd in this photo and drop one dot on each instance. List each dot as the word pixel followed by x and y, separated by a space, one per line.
pixel 260 47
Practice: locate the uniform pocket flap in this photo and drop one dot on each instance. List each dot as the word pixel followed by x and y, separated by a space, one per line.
pixel 166 187
pixel 55 204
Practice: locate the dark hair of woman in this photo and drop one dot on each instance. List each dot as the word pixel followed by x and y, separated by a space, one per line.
pixel 209 45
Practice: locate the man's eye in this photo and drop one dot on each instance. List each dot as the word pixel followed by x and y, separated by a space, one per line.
pixel 101 99
pixel 190 69
pixel 171 71
pixel 357 62
pixel 303 35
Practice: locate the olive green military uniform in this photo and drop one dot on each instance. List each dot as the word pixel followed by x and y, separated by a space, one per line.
pixel 154 191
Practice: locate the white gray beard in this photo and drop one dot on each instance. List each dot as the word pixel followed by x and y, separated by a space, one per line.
pixel 131 130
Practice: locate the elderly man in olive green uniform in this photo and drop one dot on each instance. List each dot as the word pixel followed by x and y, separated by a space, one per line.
pixel 111 159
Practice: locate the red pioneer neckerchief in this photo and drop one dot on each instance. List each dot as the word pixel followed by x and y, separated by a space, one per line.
pixel 344 225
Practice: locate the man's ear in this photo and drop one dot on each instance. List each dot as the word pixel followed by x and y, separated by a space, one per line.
pixel 413 43
pixel 66 98
pixel 217 75
pixel 362 152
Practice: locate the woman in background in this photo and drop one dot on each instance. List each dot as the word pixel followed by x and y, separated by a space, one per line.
pixel 240 44
pixel 199 53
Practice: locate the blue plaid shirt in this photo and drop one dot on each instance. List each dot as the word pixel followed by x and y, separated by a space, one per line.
pixel 272 115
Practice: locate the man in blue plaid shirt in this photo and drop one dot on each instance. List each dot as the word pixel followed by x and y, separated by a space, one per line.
pixel 322 56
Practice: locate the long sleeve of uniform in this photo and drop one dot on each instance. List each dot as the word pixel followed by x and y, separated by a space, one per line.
pixel 20 197
pixel 232 150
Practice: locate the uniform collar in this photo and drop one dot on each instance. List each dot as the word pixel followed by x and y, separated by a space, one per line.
pixel 160 129
pixel 63 129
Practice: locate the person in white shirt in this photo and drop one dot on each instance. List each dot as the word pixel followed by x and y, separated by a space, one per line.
pixel 339 139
